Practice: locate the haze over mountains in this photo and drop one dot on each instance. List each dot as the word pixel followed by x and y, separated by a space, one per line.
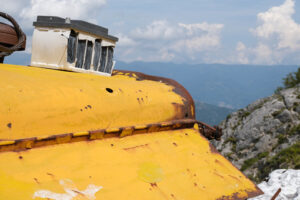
pixel 232 86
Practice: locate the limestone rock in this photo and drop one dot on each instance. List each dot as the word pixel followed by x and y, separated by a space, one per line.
pixel 252 136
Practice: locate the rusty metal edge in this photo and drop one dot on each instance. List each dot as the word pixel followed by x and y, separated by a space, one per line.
pixel 186 111
pixel 35 142
pixel 234 196
pixel 276 194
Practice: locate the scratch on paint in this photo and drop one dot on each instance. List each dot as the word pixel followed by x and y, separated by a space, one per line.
pixel 71 192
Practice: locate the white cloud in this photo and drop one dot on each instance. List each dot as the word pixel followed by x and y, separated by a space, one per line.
pixel 224 105
pixel 163 41
pixel 241 50
pixel 278 37
pixel 278 22
pixel 196 28
pixel 26 11
pixel 125 40
pixel 263 54
pixel 156 30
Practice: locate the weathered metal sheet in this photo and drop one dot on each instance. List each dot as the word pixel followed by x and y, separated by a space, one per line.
pixel 39 102
pixel 67 136
pixel 174 164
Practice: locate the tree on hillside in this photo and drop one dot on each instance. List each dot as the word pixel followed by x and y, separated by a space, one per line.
pixel 291 80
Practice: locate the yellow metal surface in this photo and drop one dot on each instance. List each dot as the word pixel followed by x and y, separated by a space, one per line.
pixel 38 102
pixel 70 136
pixel 178 164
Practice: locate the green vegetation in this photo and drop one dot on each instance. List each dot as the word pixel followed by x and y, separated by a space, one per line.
pixel 248 163
pixel 294 130
pixel 287 158
pixel 233 141
pixel 278 112
pixel 230 139
pixel 229 155
pixel 291 80
pixel 235 126
pixel 260 105
pixel 245 114
pixel 295 105
pixel 228 117
pixel 281 138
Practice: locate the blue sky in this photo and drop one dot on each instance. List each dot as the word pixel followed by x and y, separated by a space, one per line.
pixel 191 31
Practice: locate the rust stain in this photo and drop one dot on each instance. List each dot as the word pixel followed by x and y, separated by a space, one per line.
pixel 174 143
pixel 213 148
pixel 20 157
pixel 173 196
pixel 235 178
pixel 36 180
pixel 236 196
pixel 218 175
pixel 153 184
pixel 219 162
pixel 80 193
pixel 49 174
pixel 135 147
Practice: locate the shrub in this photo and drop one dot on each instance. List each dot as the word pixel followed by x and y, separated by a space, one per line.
pixel 292 79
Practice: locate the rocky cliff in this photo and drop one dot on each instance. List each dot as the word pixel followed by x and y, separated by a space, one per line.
pixel 265 135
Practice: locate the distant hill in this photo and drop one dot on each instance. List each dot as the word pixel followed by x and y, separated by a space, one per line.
pixel 211 114
pixel 234 86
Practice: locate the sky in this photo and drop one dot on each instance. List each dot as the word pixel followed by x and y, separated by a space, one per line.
pixel 264 32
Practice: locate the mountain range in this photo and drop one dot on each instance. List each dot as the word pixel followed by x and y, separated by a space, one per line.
pixel 232 86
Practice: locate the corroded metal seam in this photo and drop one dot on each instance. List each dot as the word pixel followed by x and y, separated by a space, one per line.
pixel 35 142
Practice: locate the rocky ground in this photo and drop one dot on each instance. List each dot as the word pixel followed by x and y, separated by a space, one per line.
pixel 265 135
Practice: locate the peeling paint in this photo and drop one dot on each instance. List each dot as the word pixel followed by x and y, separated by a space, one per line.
pixel 71 192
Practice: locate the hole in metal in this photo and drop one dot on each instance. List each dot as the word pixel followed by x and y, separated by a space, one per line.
pixel 109 90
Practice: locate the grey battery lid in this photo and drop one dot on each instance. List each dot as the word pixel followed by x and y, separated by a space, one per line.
pixel 58 22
